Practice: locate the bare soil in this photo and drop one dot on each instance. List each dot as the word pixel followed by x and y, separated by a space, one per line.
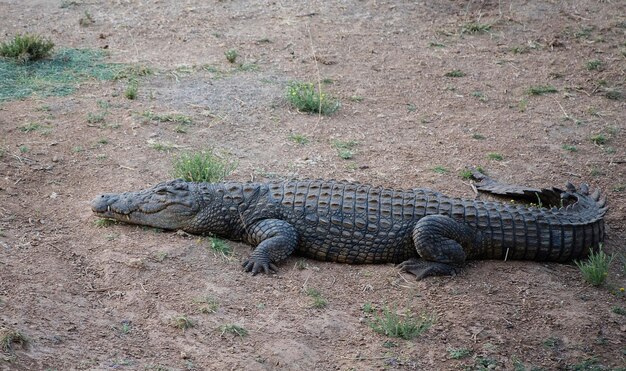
pixel 100 298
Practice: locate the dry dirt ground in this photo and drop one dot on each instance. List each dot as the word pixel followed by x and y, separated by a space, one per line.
pixel 93 297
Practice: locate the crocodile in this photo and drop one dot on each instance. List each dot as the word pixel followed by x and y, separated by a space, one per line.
pixel 423 231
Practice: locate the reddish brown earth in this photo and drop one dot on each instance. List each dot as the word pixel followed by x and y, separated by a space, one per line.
pixel 90 297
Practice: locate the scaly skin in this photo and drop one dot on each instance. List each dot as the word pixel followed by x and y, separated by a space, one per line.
pixel 430 234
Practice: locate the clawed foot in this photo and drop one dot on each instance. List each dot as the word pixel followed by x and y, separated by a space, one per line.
pixel 423 268
pixel 256 265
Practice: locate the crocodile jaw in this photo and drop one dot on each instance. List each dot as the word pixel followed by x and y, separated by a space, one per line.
pixel 167 205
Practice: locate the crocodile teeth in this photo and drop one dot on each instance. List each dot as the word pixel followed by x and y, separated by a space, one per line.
pixel 108 207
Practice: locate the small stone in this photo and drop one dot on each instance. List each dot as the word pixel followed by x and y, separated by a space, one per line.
pixel 55 159
pixel 54 195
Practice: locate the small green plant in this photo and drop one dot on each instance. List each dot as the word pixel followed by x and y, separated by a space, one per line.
pixel 220 246
pixel 459 353
pixel 161 146
pixel 131 90
pixel 318 301
pixel 233 329
pixel 95 118
pixel 542 90
pixel 368 308
pixel 231 55
pixel 551 342
pixel 31 126
pixel 356 98
pixel 614 93
pixel 299 138
pixel 23 149
pixel 618 310
pixel 182 322
pixel 440 170
pixel 10 337
pixel 345 149
pixel 475 27
pixel 569 148
pixel 206 304
pixel 168 117
pixel 307 98
pixel 495 156
pixel 596 268
pixel 455 73
pixel 126 327
pixel 203 166
pixel 593 65
pixel 522 105
pixel 599 139
pixel 478 136
pixel 405 327
pixel 466 174
pixel 480 95
pixel 26 48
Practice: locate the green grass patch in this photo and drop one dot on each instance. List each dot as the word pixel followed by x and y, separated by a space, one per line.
pixel 132 90
pixel 233 329
pixel 168 117
pixel 495 156
pixel 618 310
pixel 182 322
pixel 596 268
pixel 475 27
pixel 104 222
pixel 58 76
pixel 299 138
pixel 599 139
pixel 345 149
pixel 455 73
pixel 542 90
pixel 203 166
pixel 593 65
pixel 569 148
pixel 318 301
pixel 206 304
pixel 459 353
pixel 26 48
pixel 307 98
pixel 440 170
pixel 220 246
pixel 478 136
pixel 390 323
pixel 8 338
pixel 231 55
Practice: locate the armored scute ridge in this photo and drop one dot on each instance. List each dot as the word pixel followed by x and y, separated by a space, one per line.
pixel 425 231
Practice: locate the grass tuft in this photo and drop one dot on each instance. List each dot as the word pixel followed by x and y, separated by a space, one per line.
pixel 495 156
pixel 233 329
pixel 599 139
pixel 405 327
pixel 220 246
pixel 455 73
pixel 318 301
pixel 206 304
pixel 569 147
pixel 459 353
pixel 182 322
pixel 26 48
pixel 596 268
pixel 542 90
pixel 10 337
pixel 231 55
pixel 345 149
pixel 475 27
pixel 202 166
pixel 307 98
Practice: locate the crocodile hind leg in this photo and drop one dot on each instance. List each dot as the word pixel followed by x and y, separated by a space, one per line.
pixel 275 240
pixel 440 242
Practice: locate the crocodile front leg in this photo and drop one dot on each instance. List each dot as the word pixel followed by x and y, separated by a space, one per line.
pixel 275 240
pixel 440 242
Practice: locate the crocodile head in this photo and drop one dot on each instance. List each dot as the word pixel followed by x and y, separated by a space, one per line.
pixel 168 205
